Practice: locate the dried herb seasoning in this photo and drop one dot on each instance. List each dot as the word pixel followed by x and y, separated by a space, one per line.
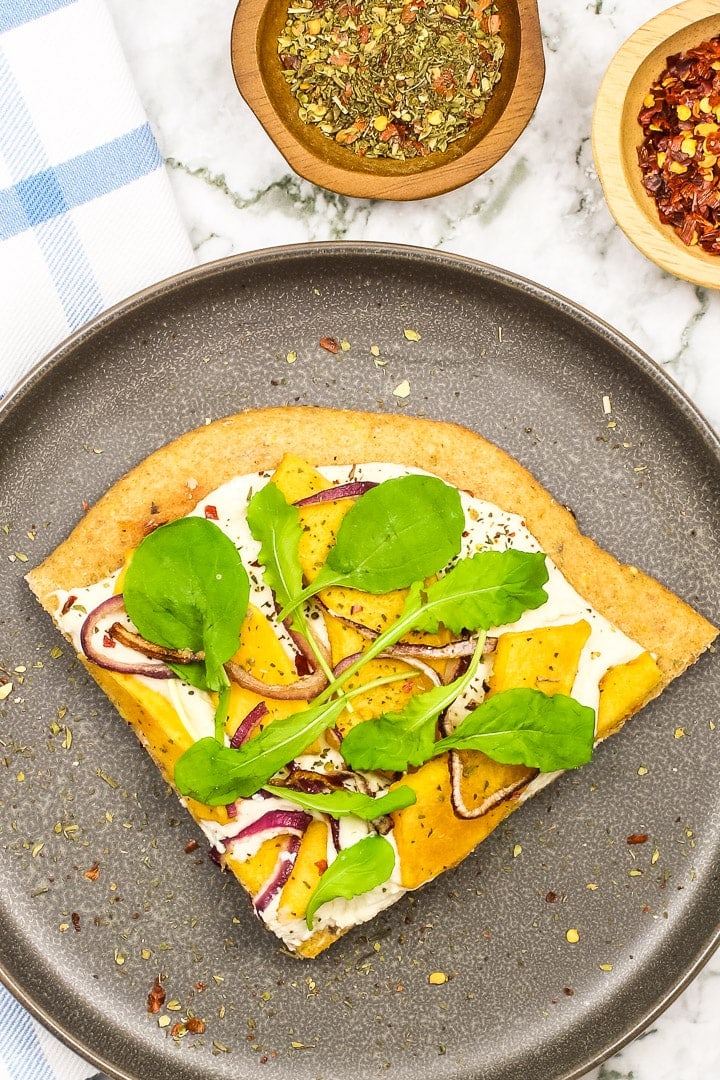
pixel 392 79
pixel 680 154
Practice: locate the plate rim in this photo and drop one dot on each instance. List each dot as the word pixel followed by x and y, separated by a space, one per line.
pixel 218 269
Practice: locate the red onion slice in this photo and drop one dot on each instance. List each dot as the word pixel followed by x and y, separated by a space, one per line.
pixel 111 608
pixel 350 490
pixel 281 873
pixel 246 727
pixel 303 689
pixel 295 821
pixel 455 766
pixel 134 641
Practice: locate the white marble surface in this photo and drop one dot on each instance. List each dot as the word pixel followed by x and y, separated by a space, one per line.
pixel 540 213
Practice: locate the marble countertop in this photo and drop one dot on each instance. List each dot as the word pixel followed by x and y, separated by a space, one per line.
pixel 540 213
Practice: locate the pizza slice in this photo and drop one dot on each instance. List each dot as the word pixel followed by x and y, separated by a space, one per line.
pixel 354 643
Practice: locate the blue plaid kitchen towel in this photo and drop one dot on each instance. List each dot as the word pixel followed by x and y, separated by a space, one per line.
pixel 87 215
pixel 28 1052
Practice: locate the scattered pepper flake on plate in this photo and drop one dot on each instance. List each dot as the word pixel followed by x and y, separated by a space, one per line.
pixel 331 344
pixel 680 119
pixel 156 997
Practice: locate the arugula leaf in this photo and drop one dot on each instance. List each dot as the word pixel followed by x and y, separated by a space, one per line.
pixel 401 531
pixel 342 803
pixel 186 588
pixel 215 774
pixel 526 727
pixel 275 524
pixel 356 870
pixel 491 588
pixel 193 673
pixel 395 740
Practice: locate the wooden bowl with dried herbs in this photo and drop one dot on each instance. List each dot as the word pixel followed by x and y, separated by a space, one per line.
pixel 389 99
pixel 656 140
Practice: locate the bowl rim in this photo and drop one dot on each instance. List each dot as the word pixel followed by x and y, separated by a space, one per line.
pixel 626 76
pixel 424 183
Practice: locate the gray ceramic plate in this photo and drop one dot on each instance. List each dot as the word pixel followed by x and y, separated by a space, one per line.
pixel 530 371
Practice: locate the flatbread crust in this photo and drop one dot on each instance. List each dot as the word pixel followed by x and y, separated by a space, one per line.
pixel 174 478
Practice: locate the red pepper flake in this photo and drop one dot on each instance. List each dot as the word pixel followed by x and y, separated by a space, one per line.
pixel 195 1025
pixel 108 642
pixel 211 512
pixel 75 919
pixel 192 845
pixel 637 838
pixel 68 604
pixel 322 865
pixel 85 505
pixel 680 153
pixel 93 873
pixel 156 997
pixel 551 897
pixel 331 344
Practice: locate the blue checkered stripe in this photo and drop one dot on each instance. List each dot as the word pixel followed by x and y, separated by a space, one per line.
pixel 22 1055
pixel 44 193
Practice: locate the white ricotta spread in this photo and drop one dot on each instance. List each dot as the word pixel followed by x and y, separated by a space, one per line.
pixel 487 528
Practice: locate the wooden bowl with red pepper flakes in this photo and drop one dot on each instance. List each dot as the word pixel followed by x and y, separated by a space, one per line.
pixel 397 99
pixel 656 140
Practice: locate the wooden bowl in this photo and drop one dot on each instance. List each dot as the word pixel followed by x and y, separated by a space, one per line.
pixel 616 135
pixel 258 74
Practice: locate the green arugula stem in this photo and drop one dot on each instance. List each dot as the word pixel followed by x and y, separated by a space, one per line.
pixel 388 637
pixel 301 625
pixel 222 708
pixel 307 594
